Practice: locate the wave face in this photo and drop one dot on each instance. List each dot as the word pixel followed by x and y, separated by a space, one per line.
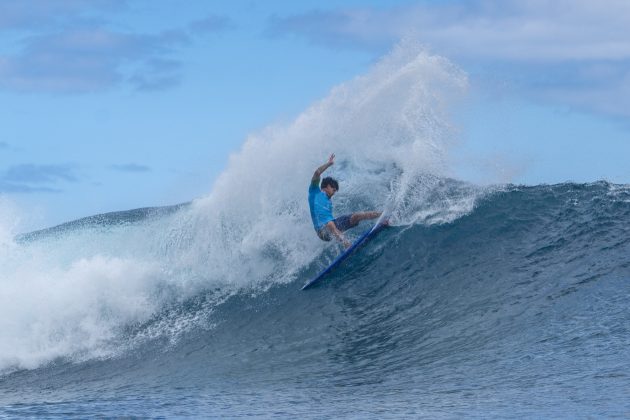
pixel 477 302
pixel 517 307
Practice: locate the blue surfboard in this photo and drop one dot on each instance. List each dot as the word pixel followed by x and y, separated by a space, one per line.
pixel 378 226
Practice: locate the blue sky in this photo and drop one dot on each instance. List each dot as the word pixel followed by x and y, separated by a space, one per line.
pixel 109 105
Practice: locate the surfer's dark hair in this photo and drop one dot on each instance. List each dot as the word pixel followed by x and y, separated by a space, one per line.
pixel 330 181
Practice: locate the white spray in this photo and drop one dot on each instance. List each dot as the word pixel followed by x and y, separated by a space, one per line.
pixel 71 295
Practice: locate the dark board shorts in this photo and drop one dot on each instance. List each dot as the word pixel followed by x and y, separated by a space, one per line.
pixel 342 223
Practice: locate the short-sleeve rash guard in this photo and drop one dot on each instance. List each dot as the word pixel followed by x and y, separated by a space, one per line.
pixel 320 205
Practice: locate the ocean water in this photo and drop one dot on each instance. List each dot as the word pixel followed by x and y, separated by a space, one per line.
pixel 518 308
pixel 495 301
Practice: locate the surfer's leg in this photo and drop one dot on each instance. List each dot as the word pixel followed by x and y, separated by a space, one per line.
pixel 355 218
pixel 348 221
pixel 344 222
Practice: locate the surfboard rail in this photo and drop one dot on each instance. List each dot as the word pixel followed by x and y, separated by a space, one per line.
pixel 344 255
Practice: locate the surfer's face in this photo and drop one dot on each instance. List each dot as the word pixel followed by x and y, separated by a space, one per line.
pixel 329 190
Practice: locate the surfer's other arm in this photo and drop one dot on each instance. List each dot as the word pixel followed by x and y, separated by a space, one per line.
pixel 319 171
pixel 332 228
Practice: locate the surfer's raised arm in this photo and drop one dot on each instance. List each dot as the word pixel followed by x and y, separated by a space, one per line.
pixel 321 169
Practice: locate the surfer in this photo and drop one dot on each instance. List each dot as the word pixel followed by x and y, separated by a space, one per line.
pixel 319 195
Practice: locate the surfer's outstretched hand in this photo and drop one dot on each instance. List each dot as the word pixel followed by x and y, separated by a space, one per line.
pixel 331 159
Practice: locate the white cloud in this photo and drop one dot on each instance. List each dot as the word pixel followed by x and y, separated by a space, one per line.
pixel 507 29
pixel 30 14
pixel 88 60
pixel 69 46
pixel 572 50
pixel 130 167
pixel 33 178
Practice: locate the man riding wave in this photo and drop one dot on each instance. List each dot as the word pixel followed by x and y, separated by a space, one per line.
pixel 319 201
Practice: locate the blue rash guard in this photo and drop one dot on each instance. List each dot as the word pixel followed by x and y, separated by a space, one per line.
pixel 320 205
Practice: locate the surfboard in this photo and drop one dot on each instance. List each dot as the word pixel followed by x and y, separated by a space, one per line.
pixel 367 235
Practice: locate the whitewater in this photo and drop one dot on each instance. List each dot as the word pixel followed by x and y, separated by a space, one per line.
pixel 479 301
